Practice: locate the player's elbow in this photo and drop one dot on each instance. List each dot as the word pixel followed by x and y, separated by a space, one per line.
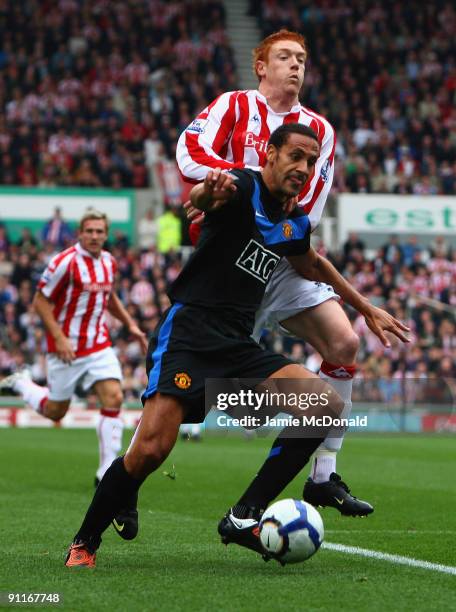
pixel 304 266
pixel 316 268
pixel 190 171
pixel 310 272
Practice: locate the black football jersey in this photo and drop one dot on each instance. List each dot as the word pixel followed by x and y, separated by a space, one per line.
pixel 239 247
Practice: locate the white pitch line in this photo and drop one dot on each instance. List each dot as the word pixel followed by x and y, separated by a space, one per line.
pixel 398 559
pixel 391 531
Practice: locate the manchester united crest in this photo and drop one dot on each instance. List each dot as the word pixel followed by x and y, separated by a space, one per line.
pixel 287 230
pixel 182 380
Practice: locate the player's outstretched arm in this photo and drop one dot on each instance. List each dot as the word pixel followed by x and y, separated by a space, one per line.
pixel 196 216
pixel 117 309
pixel 216 190
pixel 45 310
pixel 314 267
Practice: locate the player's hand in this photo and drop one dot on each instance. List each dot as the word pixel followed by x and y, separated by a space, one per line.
pixel 218 188
pixel 290 205
pixel 379 321
pixel 64 349
pixel 140 336
pixel 193 214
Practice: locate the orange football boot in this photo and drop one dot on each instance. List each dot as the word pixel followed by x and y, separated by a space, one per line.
pixel 79 555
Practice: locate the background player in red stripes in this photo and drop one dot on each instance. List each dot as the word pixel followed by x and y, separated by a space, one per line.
pixel 72 298
pixel 232 132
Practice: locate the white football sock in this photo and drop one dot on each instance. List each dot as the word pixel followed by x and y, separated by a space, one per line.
pixel 324 462
pixel 34 395
pixel 191 430
pixel 109 433
pixel 323 465
pixel 196 429
pixel 186 429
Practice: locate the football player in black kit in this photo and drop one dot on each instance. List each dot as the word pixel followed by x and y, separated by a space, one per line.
pixel 206 334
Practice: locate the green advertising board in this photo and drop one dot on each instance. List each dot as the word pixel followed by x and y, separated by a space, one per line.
pixel 396 214
pixel 22 207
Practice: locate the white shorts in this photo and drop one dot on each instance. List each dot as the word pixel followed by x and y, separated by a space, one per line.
pixel 63 377
pixel 287 293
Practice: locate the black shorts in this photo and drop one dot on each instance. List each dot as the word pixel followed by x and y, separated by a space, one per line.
pixel 191 344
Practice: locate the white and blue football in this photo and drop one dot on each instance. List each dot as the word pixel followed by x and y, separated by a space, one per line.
pixel 291 531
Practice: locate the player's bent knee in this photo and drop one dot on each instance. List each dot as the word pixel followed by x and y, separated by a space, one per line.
pixel 146 456
pixel 55 412
pixel 114 400
pixel 344 350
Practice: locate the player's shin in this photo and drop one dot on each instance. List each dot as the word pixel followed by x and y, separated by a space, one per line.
pixel 325 487
pixel 112 494
pixel 341 379
pixel 293 447
pixel 109 431
pixel 286 459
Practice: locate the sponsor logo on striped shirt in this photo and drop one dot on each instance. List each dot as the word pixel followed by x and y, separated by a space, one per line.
pixel 324 172
pixel 91 287
pixel 198 126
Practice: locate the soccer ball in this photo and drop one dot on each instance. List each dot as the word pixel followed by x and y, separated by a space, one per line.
pixel 291 531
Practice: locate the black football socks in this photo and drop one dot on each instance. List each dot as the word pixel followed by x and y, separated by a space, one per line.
pixel 286 459
pixel 116 491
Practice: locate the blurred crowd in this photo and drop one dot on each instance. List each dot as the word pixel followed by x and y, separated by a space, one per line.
pixel 384 74
pixel 416 284
pixel 93 93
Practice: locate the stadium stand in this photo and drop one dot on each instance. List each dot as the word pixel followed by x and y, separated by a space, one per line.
pixel 85 85
pixel 384 74
pixel 87 89
pixel 91 86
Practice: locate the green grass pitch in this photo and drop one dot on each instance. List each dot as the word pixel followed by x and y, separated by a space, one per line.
pixel 177 561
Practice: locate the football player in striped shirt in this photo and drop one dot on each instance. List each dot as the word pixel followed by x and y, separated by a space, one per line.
pixel 72 298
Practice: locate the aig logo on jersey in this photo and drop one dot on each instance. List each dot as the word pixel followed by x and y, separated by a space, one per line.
pixel 182 380
pixel 287 230
pixel 257 261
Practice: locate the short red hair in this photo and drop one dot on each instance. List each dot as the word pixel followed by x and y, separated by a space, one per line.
pixel 261 53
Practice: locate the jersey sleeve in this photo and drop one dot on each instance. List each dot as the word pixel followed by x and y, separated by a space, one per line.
pixel 200 145
pixel 244 183
pixel 233 207
pixel 238 206
pixel 55 276
pixel 315 193
pixel 301 245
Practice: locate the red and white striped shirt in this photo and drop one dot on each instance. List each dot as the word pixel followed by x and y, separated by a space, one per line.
pixel 79 286
pixel 233 131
